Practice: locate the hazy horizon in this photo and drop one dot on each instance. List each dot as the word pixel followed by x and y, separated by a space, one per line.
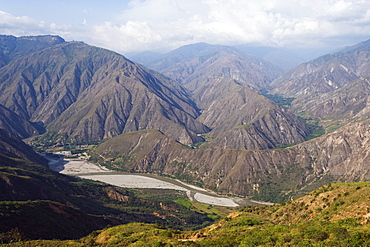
pixel 310 28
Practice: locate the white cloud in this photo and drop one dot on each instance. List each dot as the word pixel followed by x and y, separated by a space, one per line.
pixel 10 24
pixel 170 23
pixel 167 24
pixel 24 25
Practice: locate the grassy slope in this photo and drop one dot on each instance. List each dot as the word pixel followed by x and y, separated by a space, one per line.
pixel 343 221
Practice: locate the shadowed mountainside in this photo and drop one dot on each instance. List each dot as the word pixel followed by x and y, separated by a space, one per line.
pixel 17 125
pixel 12 146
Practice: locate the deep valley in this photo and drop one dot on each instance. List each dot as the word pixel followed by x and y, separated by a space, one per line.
pixel 210 116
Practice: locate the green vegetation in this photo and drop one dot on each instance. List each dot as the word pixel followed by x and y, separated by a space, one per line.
pixel 277 225
pixel 276 188
pixel 244 126
pixel 279 100
pixel 314 125
pixel 316 131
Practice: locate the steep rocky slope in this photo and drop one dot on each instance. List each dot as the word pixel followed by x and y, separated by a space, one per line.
pixel 87 94
pixel 269 175
pixel 348 103
pixel 326 73
pixel 244 119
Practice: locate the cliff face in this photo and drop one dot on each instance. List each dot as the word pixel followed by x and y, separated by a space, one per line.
pixel 339 156
pixel 88 94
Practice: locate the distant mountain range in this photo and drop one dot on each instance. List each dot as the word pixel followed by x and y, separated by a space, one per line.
pixel 326 73
pixel 203 62
pixel 281 58
pixel 224 82
pixel 86 94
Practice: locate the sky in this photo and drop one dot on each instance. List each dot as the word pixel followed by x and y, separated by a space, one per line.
pixel 133 26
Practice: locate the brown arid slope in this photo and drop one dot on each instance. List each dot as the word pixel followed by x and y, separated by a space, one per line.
pixel 244 119
pixel 88 94
pixel 198 70
pixel 270 175
pixel 326 73
pixel 336 108
pixel 223 81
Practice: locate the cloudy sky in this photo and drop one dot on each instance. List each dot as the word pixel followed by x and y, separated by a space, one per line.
pixel 139 25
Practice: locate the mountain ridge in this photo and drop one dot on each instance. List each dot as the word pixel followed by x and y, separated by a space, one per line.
pixel 12 47
pixel 58 83
pixel 326 73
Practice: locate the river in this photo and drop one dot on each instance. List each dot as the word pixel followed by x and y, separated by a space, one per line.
pixel 87 170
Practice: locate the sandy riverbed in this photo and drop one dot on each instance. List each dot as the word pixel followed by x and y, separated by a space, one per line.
pixel 85 169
